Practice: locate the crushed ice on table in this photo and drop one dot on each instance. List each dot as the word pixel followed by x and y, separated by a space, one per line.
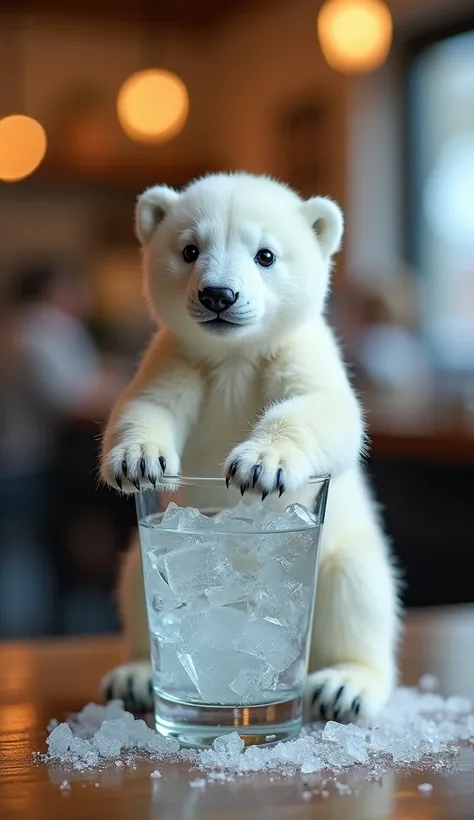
pixel 417 729
pixel 428 683
pixel 99 734
pixel 229 745
pixel 199 783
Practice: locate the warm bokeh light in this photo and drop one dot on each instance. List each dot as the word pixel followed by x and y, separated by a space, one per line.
pixel 22 147
pixel 152 106
pixel 355 35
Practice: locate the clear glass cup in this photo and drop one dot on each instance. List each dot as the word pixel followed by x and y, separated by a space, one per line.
pixel 230 587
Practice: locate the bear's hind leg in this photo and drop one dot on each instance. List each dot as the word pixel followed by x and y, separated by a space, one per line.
pixel 132 681
pixel 355 630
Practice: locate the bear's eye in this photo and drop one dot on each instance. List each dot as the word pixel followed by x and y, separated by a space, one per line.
pixel 265 258
pixel 190 253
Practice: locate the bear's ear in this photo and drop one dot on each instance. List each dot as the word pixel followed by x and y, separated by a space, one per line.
pixel 151 209
pixel 327 221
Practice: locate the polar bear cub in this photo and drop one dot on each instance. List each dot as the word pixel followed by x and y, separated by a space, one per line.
pixel 246 373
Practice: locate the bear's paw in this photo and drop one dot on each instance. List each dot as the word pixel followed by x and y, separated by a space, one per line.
pixel 267 468
pixel 139 466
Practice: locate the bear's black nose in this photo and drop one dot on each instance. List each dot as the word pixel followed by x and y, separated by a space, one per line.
pixel 217 299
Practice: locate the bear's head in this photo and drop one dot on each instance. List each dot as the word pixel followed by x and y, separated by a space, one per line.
pixel 236 257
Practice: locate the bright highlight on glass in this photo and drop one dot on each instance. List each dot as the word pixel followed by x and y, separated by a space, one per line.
pixel 152 106
pixel 355 35
pixel 22 147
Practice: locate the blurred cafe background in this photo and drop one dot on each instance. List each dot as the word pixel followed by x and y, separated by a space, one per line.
pixel 368 101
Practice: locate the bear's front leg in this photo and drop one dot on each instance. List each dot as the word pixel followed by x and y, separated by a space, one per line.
pixel 149 426
pixel 300 437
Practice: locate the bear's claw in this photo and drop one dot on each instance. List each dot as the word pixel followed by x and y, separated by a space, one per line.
pixel 256 474
pixel 278 485
pixel 332 710
pixel 140 468
pixel 231 473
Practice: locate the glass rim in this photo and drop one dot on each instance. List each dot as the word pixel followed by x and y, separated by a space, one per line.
pixel 174 483
pixel 186 481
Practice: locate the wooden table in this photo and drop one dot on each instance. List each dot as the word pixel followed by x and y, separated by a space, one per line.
pixel 53 678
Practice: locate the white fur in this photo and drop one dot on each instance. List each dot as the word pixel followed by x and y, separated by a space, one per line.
pixel 270 390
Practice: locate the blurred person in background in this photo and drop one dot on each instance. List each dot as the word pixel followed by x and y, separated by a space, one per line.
pixel 50 372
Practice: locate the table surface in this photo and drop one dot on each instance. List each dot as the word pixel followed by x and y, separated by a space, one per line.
pixel 53 678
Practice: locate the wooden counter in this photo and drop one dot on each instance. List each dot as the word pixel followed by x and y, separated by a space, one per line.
pixel 39 681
